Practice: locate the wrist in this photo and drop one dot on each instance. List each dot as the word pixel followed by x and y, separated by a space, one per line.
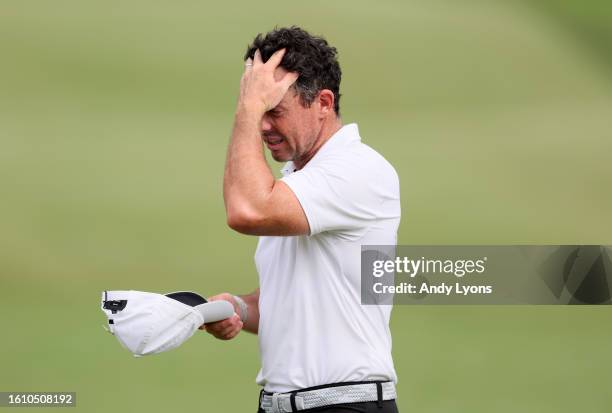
pixel 250 108
pixel 242 310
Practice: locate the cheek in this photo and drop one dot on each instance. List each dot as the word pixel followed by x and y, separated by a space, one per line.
pixel 308 130
pixel 290 144
pixel 289 129
pixel 305 124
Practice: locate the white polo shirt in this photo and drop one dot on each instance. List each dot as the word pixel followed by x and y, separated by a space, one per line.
pixel 313 329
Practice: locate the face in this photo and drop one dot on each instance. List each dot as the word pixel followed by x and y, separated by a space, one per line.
pixel 290 130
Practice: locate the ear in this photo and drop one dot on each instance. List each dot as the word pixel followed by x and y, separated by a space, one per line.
pixel 326 102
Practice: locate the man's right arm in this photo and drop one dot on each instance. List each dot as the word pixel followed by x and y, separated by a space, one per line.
pixel 229 328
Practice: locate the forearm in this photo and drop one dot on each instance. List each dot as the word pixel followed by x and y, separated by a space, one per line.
pixel 248 180
pixel 252 317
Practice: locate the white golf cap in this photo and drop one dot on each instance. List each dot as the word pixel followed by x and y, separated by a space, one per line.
pixel 149 323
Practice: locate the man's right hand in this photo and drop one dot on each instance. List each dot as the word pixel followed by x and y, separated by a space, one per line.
pixel 228 328
pixel 263 85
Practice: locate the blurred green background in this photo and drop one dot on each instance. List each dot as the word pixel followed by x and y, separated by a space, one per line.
pixel 114 119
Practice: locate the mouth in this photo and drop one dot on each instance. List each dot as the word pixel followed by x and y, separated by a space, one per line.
pixel 273 141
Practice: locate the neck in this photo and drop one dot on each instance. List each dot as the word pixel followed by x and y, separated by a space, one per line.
pixel 328 129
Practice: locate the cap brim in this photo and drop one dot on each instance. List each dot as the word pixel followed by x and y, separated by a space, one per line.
pixel 187 297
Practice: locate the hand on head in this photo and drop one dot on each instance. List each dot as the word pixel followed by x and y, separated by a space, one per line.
pixel 263 85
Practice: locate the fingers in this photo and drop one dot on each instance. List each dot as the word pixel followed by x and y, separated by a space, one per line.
pixel 222 296
pixel 273 62
pixel 230 331
pixel 225 297
pixel 276 58
pixel 257 58
pixel 232 335
pixel 263 85
pixel 228 328
pixel 248 65
pixel 227 334
pixel 225 329
pixel 289 79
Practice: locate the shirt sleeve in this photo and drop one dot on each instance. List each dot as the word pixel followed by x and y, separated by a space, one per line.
pixel 335 195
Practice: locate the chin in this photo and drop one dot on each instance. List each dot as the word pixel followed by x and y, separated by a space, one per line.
pixel 279 157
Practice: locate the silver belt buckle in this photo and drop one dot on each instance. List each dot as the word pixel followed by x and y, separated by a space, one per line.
pixel 281 403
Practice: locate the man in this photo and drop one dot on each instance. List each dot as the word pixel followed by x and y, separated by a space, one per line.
pixel 336 194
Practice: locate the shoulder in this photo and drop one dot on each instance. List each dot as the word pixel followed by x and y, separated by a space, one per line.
pixel 346 187
pixel 359 162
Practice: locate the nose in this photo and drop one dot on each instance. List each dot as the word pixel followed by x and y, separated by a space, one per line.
pixel 266 125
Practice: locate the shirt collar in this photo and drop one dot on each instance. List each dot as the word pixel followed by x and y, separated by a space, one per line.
pixel 343 136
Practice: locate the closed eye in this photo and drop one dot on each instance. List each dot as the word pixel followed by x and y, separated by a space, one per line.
pixel 275 113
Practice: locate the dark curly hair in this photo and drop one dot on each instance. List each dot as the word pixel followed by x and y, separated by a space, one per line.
pixel 311 56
